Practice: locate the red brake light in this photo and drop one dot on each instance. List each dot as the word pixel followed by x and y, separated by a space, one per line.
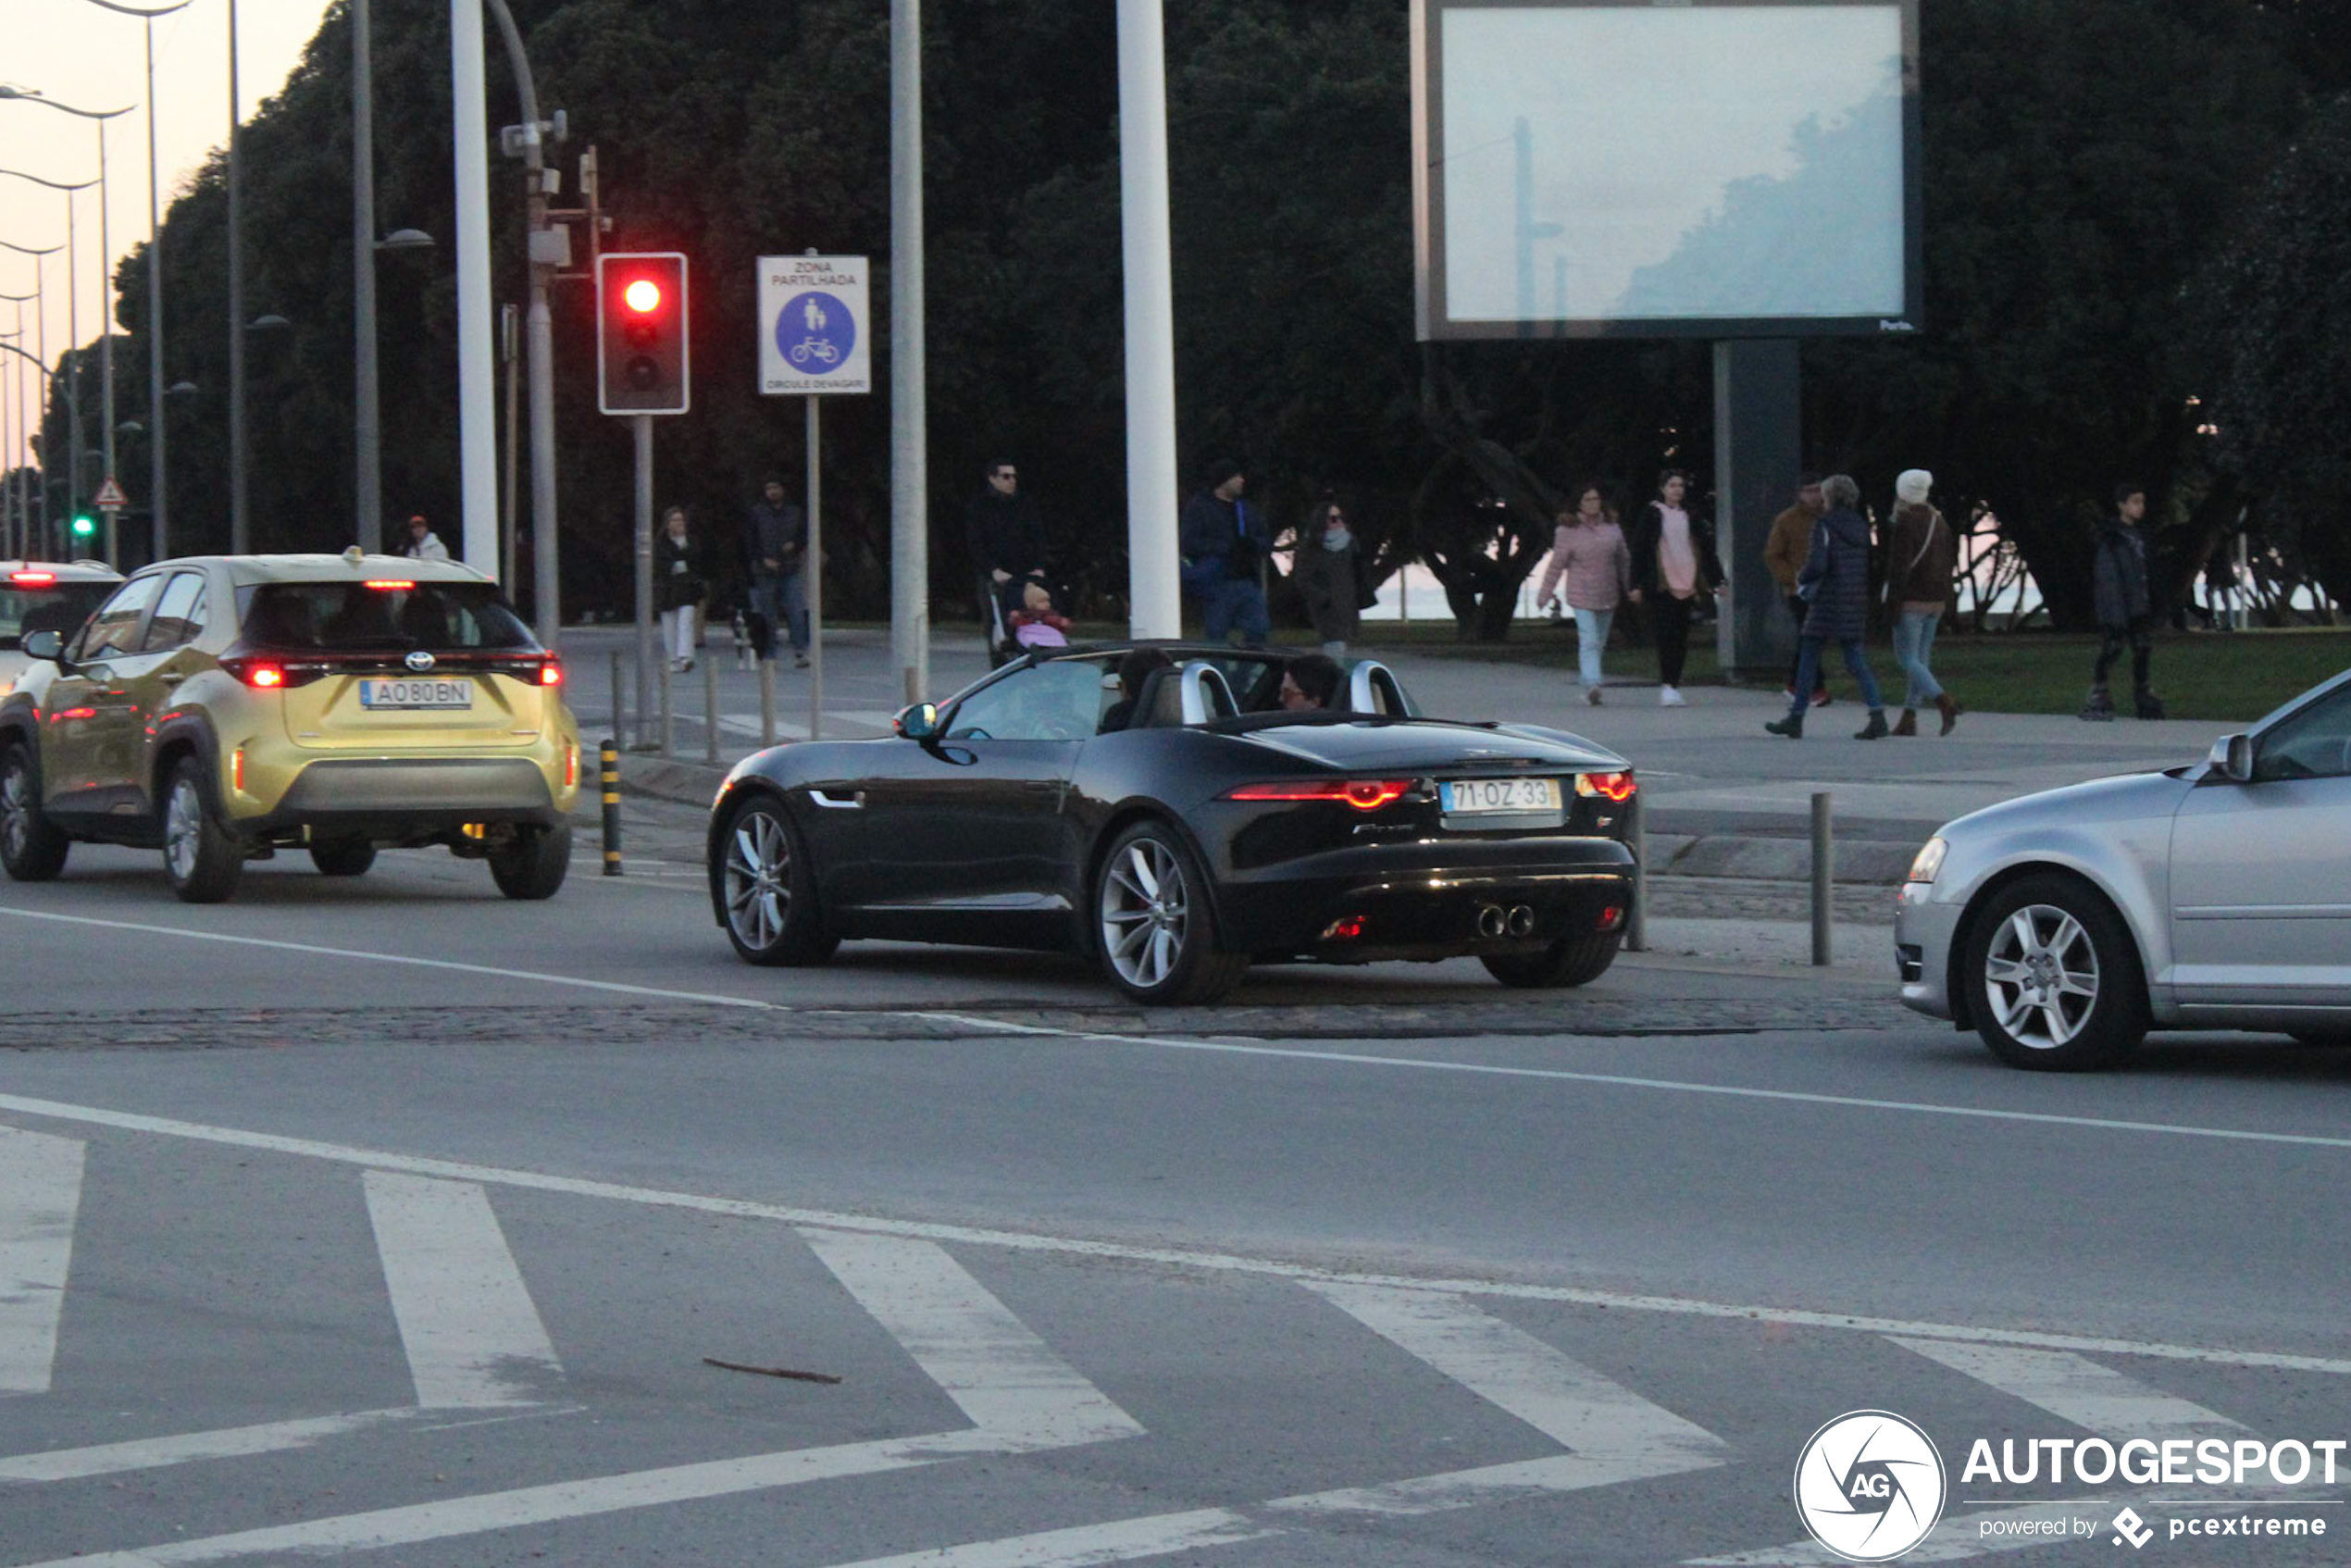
pixel 32 578
pixel 391 583
pixel 643 296
pixel 1617 787
pixel 1363 794
pixel 550 674
pixel 264 675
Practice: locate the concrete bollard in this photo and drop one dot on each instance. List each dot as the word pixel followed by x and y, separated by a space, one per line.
pixel 767 701
pixel 608 767
pixel 710 712
pixel 1636 923
pixel 1823 877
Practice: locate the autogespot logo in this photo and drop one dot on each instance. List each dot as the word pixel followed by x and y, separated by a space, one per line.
pixel 1869 1485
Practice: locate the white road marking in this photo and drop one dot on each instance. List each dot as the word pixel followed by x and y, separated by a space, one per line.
pixel 1029 1241
pixel 1121 1541
pixel 40 1191
pixel 229 1442
pixel 2079 1391
pixel 999 1374
pixel 1611 1434
pixel 473 1336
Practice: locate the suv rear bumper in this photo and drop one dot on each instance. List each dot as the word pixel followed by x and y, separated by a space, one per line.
pixel 401 797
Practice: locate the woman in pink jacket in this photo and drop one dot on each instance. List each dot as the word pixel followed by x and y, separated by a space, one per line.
pixel 1589 550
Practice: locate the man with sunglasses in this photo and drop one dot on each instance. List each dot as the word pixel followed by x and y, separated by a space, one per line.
pixel 1006 538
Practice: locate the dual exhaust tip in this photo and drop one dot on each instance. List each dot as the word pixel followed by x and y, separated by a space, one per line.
pixel 1494 921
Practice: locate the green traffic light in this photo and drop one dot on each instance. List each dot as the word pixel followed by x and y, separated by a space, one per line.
pixel 84 527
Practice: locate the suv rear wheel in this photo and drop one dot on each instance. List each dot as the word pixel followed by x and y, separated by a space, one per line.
pixel 532 864
pixel 202 861
pixel 31 849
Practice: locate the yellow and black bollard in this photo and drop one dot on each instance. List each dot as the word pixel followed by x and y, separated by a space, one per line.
pixel 608 766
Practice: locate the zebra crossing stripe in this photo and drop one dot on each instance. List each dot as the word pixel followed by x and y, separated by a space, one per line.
pixel 227 1442
pixel 2077 1390
pixel 465 1318
pixel 40 1191
pixel 1007 1380
pixel 1086 1546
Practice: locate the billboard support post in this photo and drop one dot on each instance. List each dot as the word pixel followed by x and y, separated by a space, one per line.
pixel 1758 444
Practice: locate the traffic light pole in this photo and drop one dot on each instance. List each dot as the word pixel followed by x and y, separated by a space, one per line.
pixel 644 425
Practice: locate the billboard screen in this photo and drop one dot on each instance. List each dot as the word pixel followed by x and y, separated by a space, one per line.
pixel 1670 168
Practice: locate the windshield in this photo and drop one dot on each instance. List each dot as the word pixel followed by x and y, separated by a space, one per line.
pixel 357 616
pixel 61 608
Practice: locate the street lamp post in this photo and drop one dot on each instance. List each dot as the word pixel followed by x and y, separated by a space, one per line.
pixel 105 290
pixel 24 417
pixel 73 321
pixel 239 514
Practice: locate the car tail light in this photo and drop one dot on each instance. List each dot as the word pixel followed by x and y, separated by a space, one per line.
pixel 571 764
pixel 1363 794
pixel 1617 787
pixel 391 585
pixel 265 674
pixel 551 673
pixel 237 770
pixel 33 580
pixel 1610 918
pixel 1346 929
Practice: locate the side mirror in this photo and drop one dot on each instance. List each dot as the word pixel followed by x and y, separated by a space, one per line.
pixel 919 722
pixel 2233 758
pixel 49 645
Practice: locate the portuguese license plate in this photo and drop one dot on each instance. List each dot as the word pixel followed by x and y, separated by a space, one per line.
pixel 1473 796
pixel 415 692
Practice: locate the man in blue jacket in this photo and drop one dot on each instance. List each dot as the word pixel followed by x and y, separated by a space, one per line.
pixel 1836 583
pixel 2119 579
pixel 1225 541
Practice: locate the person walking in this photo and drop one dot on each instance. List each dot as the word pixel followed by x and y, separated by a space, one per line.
pixel 1224 542
pixel 423 543
pixel 1589 552
pixel 1783 555
pixel 1006 538
pixel 678 586
pixel 1674 564
pixel 1328 571
pixel 2118 584
pixel 775 549
pixel 1922 553
pixel 1835 579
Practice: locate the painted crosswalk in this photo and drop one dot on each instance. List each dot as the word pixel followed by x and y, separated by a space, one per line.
pixel 1562 1416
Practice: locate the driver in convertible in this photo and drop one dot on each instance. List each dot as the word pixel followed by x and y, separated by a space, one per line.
pixel 1133 670
pixel 1309 684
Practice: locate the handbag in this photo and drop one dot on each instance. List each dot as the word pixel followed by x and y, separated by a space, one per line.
pixel 1366 591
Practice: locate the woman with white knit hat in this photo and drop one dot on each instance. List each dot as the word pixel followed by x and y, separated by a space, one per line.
pixel 1920 556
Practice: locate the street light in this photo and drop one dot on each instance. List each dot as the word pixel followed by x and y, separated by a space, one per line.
pixel 73 319
pixel 105 249
pixel 24 415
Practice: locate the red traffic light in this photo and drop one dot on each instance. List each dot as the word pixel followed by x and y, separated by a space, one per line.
pixel 643 296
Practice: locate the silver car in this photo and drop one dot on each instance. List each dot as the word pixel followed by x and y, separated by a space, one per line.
pixel 2062 926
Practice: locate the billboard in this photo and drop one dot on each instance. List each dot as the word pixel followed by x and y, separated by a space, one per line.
pixel 1715 168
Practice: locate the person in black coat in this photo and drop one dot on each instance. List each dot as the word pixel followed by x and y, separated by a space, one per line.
pixel 1224 542
pixel 678 586
pixel 1006 538
pixel 1836 583
pixel 776 555
pixel 2119 580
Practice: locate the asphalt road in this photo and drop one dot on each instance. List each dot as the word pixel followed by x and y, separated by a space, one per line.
pixel 394 1221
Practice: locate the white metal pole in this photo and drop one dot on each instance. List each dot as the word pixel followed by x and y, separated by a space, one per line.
pixel 643 432
pixel 106 339
pixel 909 422
pixel 41 388
pixel 812 574
pixel 477 377
pixel 73 382
pixel 1156 601
pixel 158 504
pixel 240 499
pixel 509 328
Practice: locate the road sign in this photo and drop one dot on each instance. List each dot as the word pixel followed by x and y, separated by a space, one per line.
pixel 812 326
pixel 111 497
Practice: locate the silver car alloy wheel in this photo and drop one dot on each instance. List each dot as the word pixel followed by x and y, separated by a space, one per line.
pixel 16 807
pixel 758 880
pixel 1145 914
pixel 2041 974
pixel 183 829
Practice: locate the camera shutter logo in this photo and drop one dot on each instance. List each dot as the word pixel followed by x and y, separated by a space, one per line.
pixel 1869 1485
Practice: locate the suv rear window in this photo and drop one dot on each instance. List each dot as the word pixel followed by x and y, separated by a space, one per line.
pixel 296 618
pixel 61 608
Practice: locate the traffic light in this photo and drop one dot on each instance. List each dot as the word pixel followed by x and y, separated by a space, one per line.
pixel 85 527
pixel 643 365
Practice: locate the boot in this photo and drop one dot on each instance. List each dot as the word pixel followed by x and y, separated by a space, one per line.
pixel 2150 704
pixel 1875 729
pixel 1792 726
pixel 2099 709
pixel 1950 711
pixel 1909 723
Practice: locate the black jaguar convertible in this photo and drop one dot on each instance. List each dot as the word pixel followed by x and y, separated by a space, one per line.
pixel 1184 829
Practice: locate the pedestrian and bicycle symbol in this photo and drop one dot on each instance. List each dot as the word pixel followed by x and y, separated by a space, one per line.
pixel 816 332
pixel 810 337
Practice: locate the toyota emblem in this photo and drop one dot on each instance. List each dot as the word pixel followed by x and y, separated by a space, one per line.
pixel 419 660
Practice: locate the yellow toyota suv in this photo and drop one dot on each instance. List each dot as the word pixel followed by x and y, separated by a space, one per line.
pixel 223 707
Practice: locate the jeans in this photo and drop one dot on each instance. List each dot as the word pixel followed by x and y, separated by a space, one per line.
pixel 1913 644
pixel 2111 640
pixel 1799 608
pixel 1807 671
pixel 1672 617
pixel 1238 603
pixel 781 602
pixel 1591 637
